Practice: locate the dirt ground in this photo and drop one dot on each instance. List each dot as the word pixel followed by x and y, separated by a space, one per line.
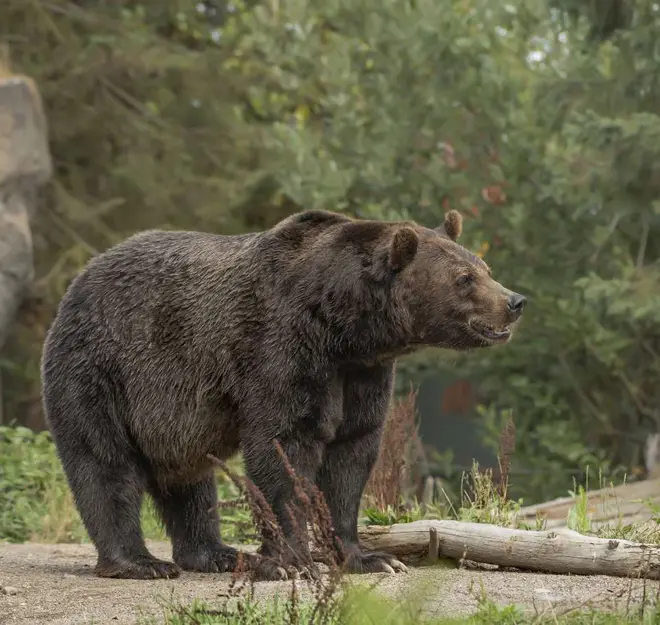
pixel 55 585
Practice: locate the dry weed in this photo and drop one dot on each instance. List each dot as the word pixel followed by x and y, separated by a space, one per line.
pixel 400 449
pixel 312 522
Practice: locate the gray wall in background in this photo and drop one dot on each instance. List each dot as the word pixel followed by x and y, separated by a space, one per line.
pixel 448 420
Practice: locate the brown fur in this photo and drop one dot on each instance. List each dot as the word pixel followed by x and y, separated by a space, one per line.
pixel 175 345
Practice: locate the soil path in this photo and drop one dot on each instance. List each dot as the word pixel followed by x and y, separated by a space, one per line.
pixel 55 585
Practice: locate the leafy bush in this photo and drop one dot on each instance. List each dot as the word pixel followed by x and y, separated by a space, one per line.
pixel 31 480
pixel 36 502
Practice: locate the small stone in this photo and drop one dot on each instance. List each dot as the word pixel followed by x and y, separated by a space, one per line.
pixel 9 590
pixel 545 597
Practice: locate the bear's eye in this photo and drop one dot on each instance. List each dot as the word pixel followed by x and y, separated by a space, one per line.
pixel 464 279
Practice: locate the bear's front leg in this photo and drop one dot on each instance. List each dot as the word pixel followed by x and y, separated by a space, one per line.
pixel 349 460
pixel 342 479
pixel 266 470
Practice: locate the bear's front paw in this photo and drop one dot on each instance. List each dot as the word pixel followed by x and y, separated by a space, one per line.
pixel 373 562
pixel 208 559
pixel 273 569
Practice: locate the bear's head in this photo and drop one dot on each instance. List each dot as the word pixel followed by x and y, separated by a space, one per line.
pixel 396 286
pixel 450 294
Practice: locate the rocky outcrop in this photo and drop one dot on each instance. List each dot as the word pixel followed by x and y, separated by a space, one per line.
pixel 25 165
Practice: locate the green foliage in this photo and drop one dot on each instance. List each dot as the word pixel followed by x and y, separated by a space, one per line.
pixel 36 502
pixel 29 473
pixel 403 514
pixel 362 97
pixel 580 375
pixel 389 516
pixel 578 518
pixel 482 501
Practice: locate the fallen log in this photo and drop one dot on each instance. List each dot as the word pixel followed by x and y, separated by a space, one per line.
pixel 552 551
pixel 613 506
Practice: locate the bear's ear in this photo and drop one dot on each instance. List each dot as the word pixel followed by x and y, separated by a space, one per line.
pixel 402 248
pixel 453 225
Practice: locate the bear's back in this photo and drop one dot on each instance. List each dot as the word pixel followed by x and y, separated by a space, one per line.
pixel 154 284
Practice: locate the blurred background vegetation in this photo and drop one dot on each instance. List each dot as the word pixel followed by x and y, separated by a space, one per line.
pixel 538 119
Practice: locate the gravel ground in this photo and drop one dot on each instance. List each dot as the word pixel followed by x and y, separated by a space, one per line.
pixel 55 585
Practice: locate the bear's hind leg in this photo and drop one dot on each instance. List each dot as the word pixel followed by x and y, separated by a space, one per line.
pixel 191 518
pixel 109 498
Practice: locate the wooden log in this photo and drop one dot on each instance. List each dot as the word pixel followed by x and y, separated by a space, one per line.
pixel 618 505
pixel 558 551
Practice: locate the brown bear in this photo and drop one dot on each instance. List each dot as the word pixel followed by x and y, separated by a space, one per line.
pixel 174 345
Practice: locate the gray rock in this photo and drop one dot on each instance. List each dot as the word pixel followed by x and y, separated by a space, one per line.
pixel 25 164
pixel 8 590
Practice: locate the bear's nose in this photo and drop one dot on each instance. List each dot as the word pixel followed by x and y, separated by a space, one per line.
pixel 517 304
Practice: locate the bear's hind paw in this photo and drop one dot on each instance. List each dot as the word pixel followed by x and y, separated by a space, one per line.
pixel 142 567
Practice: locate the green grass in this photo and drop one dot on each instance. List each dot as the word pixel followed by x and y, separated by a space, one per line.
pixel 579 518
pixel 364 607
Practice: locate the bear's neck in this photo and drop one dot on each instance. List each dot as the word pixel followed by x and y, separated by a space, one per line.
pixel 373 337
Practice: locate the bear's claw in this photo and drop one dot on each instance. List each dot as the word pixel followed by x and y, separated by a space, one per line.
pixel 376 562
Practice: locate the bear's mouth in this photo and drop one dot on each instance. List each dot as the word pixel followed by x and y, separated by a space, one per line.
pixel 491 333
